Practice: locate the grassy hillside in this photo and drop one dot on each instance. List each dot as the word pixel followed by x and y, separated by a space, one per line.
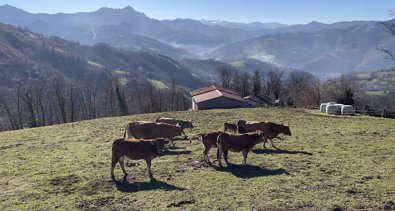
pixel 376 83
pixel 345 161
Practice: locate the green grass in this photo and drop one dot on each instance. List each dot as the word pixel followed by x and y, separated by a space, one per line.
pixel 345 161
pixel 158 84
pixel 376 93
pixel 238 63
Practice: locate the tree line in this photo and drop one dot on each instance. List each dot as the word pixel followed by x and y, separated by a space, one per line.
pixel 56 100
pixel 300 89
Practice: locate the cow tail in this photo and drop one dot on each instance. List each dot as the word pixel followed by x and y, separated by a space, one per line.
pixel 190 140
pixel 126 129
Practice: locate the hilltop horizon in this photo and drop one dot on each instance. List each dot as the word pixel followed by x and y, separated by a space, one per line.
pixel 284 12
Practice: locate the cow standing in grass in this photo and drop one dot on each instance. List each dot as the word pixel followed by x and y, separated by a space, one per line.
pixel 230 127
pixel 183 123
pixel 271 129
pixel 136 150
pixel 236 143
pixel 151 130
pixel 209 141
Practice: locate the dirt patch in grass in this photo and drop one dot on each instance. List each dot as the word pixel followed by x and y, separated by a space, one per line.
pixel 181 203
pixel 10 146
pixel 97 204
pixel 64 181
pixel 190 165
pixel 93 188
pixel 64 185
pixel 370 133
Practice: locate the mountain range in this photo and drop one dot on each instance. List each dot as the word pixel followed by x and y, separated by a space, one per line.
pixel 28 55
pixel 323 49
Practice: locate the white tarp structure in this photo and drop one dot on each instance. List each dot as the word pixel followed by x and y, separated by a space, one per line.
pixel 347 110
pixel 333 108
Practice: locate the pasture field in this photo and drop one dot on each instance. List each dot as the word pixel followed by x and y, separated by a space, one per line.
pixel 329 161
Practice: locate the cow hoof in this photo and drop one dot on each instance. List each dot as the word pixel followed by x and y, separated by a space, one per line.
pixel 152 179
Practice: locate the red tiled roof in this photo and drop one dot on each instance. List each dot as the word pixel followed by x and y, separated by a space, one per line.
pixel 211 88
pixel 211 92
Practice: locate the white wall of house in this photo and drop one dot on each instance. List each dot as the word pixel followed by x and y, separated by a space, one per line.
pixel 194 105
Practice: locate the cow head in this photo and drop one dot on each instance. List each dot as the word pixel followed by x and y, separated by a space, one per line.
pixel 189 124
pixel 241 122
pixel 241 126
pixel 159 144
pixel 286 130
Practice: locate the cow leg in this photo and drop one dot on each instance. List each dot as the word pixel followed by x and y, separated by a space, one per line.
pixel 219 155
pixel 271 141
pixel 264 143
pixel 122 163
pixel 114 162
pixel 148 161
pixel 226 157
pixel 245 154
pixel 185 136
pixel 172 143
pixel 205 154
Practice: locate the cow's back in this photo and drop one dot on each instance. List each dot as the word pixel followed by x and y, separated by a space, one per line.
pixel 152 130
pixel 182 123
pixel 134 149
pixel 211 138
pixel 238 142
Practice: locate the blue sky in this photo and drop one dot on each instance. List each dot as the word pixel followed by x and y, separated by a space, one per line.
pixel 282 11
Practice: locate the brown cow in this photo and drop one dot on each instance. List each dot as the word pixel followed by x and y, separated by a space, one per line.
pixel 183 123
pixel 150 130
pixel 271 129
pixel 230 127
pixel 209 140
pixel 237 143
pixel 136 150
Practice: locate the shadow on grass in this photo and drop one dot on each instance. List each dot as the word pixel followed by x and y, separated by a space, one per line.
pixel 279 151
pixel 183 152
pixel 125 186
pixel 248 171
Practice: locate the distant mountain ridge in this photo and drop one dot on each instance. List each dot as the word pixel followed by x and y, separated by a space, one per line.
pixel 325 51
pixel 28 55
pixel 316 47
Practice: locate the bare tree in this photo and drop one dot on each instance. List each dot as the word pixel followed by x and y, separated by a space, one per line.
pixel 11 118
pixel 57 85
pixel 274 83
pixel 225 77
pixel 27 97
pixel 245 84
pixel 236 82
pixel 256 83
pixel 341 90
pixel 123 107
pixel 390 28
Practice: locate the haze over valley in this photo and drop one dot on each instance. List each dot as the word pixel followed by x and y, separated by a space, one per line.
pixel 325 50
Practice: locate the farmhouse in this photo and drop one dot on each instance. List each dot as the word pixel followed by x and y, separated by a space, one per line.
pixel 215 97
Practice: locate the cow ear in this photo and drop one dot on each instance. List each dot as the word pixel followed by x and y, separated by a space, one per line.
pixel 153 143
pixel 166 141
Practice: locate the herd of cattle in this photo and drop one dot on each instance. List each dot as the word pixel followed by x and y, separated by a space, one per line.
pixel 147 140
